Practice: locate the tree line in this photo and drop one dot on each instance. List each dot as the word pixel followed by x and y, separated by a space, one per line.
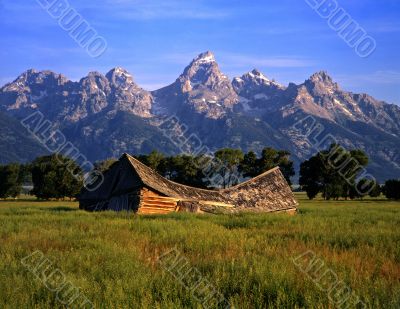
pixel 50 176
pixel 226 168
pixel 337 173
pixel 334 173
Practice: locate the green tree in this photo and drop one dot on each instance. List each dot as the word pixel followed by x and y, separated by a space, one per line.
pixel 311 177
pixel 55 177
pixel 353 162
pixel 271 158
pixel 11 178
pixel 228 162
pixel 391 189
pixel 333 173
pixel 252 166
pixel 184 169
pixel 152 160
pixel 376 191
pixel 249 166
pixel 104 165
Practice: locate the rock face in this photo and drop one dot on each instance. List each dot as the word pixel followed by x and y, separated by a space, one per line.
pixel 33 91
pixel 257 93
pixel 318 96
pixel 64 101
pixel 128 96
pixel 106 115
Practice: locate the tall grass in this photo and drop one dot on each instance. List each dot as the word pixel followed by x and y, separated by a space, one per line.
pixel 112 257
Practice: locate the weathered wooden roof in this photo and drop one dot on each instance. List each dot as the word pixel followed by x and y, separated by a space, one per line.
pixel 155 181
pixel 268 191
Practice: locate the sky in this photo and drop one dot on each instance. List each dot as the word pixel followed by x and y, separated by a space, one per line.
pixel 155 39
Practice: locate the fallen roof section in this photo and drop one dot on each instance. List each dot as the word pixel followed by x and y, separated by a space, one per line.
pixel 266 192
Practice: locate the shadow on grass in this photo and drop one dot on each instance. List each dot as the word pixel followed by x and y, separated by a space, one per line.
pixel 176 216
pixel 59 209
pixel 19 200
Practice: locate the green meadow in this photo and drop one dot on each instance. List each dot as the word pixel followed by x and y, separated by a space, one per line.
pixel 251 259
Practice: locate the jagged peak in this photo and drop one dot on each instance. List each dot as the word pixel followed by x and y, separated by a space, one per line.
pixel 118 71
pixel 33 75
pixel 203 58
pixel 202 70
pixel 203 61
pixel 32 72
pixel 93 77
pixel 25 75
pixel 256 74
pixel 321 76
pixel 256 77
pixel 119 77
pixel 94 73
pixel 322 80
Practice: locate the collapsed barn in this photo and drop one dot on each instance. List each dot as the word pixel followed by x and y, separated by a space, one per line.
pixel 130 185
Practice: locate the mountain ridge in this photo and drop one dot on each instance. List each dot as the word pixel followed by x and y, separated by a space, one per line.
pixel 248 112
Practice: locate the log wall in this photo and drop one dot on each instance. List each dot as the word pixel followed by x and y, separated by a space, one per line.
pixel 154 203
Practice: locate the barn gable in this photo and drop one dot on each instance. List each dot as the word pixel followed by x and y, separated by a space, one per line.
pixel 119 180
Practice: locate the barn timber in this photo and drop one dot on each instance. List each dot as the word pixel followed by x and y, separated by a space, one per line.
pixel 132 186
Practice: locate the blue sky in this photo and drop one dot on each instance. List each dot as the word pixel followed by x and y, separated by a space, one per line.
pixel 155 40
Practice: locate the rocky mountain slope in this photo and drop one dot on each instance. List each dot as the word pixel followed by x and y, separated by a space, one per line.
pixel 105 115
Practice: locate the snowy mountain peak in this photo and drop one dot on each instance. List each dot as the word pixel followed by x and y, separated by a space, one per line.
pixel 203 70
pixel 255 79
pixel 118 71
pixel 202 87
pixel 203 62
pixel 256 74
pixel 204 58
pixel 119 76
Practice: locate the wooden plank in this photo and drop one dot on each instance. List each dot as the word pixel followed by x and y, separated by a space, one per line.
pixel 158 202
pixel 143 210
pixel 219 204
pixel 211 203
pixel 161 198
pixel 153 212
pixel 155 207
pixel 151 198
pixel 146 200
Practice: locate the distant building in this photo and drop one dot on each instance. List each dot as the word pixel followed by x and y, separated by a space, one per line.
pixel 132 186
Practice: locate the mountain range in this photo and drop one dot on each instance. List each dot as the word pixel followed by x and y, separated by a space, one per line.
pixel 106 115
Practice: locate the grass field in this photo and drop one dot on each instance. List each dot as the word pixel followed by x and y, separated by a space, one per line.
pixel 113 257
